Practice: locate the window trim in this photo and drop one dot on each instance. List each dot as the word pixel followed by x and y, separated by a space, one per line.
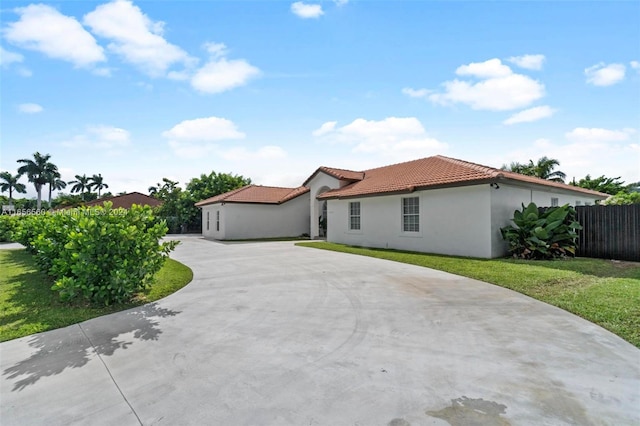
pixel 555 201
pixel 353 217
pixel 208 220
pixel 405 226
pixel 218 220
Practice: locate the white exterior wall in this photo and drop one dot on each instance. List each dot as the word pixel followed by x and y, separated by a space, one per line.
pixel 247 221
pixel 209 230
pixel 319 184
pixel 453 221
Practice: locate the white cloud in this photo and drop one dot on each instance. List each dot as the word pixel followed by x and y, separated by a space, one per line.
pixel 306 11
pixel 340 3
pixel 584 134
pixel 393 137
pixel 499 89
pixel 635 65
pixel 42 28
pixel 591 151
pixel 204 130
pixel 487 69
pixel 135 37
pixel 531 114
pixel 416 93
pixel 605 75
pixel 327 127
pixel 102 137
pixel 7 58
pixel 530 62
pixel 30 108
pixel 219 75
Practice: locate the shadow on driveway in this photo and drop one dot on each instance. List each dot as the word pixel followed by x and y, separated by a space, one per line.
pixel 71 347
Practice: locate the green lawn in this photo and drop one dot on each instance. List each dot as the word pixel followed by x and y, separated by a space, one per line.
pixel 602 291
pixel 28 305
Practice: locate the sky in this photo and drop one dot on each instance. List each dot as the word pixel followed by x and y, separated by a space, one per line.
pixel 272 90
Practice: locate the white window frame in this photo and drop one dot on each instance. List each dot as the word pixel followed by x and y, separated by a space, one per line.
pixel 208 220
pixel 355 218
pixel 554 202
pixel 411 212
pixel 578 203
pixel 218 220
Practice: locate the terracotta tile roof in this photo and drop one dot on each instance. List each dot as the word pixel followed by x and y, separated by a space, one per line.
pixel 256 194
pixel 433 172
pixel 342 174
pixel 126 201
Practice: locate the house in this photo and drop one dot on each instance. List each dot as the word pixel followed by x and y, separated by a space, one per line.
pixel 126 201
pixel 255 211
pixel 436 205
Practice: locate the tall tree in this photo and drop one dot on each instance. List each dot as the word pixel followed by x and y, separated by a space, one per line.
pixel 81 185
pixel 602 184
pixel 11 184
pixel 97 182
pixel 56 184
pixel 544 168
pixel 38 171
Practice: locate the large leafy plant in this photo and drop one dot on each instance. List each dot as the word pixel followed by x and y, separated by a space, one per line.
pixel 99 254
pixel 542 233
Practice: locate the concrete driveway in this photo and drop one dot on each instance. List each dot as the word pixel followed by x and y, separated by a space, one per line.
pixel 273 334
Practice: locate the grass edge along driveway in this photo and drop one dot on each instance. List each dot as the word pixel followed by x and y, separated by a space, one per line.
pixel 602 291
pixel 29 306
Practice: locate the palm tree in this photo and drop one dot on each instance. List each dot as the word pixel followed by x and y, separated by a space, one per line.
pixel 10 184
pixel 38 171
pixel 55 184
pixel 97 183
pixel 81 185
pixel 542 169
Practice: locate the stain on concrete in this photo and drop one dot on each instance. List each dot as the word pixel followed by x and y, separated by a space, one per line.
pixel 398 422
pixel 472 412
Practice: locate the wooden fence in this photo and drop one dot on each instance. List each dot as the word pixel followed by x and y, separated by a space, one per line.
pixel 609 232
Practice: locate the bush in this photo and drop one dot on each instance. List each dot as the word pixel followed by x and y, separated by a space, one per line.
pixel 100 254
pixel 8 226
pixel 542 233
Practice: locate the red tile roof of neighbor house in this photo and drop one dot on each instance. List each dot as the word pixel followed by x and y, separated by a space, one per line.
pixel 256 194
pixel 432 172
pixel 126 201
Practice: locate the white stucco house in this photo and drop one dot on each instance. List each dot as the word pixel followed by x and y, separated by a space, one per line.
pixel 435 205
pixel 255 211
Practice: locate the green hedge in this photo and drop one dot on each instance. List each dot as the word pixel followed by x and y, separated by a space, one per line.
pixel 99 254
pixel 8 226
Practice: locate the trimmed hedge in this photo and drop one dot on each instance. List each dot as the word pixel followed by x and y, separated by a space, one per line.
pixel 99 254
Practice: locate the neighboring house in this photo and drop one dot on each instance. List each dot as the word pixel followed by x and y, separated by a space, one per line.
pixel 256 211
pixel 126 201
pixel 435 205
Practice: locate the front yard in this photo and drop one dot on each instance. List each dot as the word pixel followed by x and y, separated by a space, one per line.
pixel 28 305
pixel 602 291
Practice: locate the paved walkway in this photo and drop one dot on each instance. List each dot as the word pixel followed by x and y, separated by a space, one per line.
pixel 273 334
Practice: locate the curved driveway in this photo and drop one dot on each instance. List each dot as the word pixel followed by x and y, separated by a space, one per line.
pixel 273 334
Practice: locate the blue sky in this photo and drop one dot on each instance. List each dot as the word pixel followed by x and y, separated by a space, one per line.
pixel 271 90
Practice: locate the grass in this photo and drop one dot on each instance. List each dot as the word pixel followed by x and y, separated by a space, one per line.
pixel 28 305
pixel 604 292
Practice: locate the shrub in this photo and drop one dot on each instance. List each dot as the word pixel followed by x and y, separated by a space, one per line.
pixel 8 225
pixel 100 254
pixel 542 233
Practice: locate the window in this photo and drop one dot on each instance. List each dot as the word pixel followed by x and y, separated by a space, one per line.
pixel 411 214
pixel 354 216
pixel 217 220
pixel 208 221
pixel 554 202
pixel 578 203
pixel 587 203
